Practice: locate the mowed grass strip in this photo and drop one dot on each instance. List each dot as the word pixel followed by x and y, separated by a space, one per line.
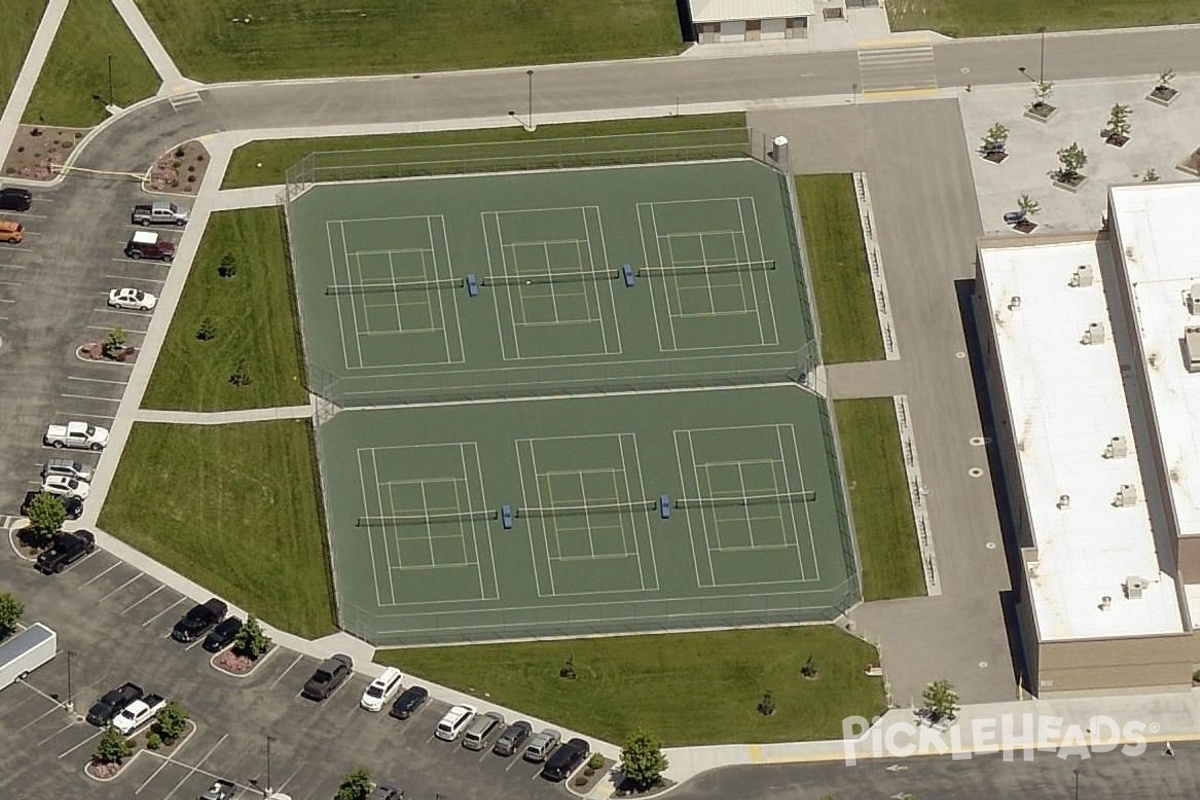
pixel 879 499
pixel 225 40
pixel 266 162
pixel 233 507
pixel 252 315
pixel 974 18
pixel 837 257
pixel 72 89
pixel 20 19
pixel 690 688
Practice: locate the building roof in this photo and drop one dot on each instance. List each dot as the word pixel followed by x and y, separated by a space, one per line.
pixel 721 10
pixel 1158 226
pixel 1066 403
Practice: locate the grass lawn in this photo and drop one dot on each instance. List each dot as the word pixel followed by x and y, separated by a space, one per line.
pixel 688 688
pixel 72 89
pixel 838 260
pixel 233 507
pixel 879 500
pixel 317 38
pixel 975 18
pixel 21 18
pixel 253 315
pixel 277 155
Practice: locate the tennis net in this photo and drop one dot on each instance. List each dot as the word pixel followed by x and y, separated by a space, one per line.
pixel 393 286
pixel 746 500
pixel 705 269
pixel 551 277
pixel 598 508
pixel 425 519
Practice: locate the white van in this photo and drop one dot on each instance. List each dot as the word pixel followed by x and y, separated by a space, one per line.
pixel 26 651
pixel 381 689
pixel 455 721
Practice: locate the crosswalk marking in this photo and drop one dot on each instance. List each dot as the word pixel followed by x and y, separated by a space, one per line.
pixel 892 68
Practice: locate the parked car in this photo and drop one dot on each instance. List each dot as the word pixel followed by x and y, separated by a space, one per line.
pixel 542 745
pixel 198 620
pixel 566 760
pixel 409 701
pixel 331 674
pixel 138 713
pixel 68 467
pixel 66 550
pixel 381 689
pixel 113 702
pixel 131 298
pixel 454 722
pixel 13 198
pixel 513 738
pixel 72 505
pixel 61 484
pixel 222 635
pixel 76 434
pixel 148 244
pixel 480 732
pixel 383 792
pixel 220 790
pixel 158 213
pixel 11 231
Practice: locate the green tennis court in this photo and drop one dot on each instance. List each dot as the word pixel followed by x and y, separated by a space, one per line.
pixel 526 370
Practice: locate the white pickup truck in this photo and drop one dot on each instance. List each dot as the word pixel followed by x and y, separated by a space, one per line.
pixel 79 435
pixel 158 214
pixel 138 713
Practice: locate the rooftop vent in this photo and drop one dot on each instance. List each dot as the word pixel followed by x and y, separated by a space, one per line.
pixel 1193 299
pixel 1191 347
pixel 1105 603
pixel 1095 334
pixel 1117 447
pixel 1082 276
pixel 1064 502
pixel 1134 586
pixel 1015 303
pixel 1126 496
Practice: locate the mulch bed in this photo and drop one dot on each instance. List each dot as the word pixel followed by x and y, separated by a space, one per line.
pixel 235 664
pixel 179 171
pixel 1191 164
pixel 995 158
pixel 1164 93
pixel 1117 140
pixel 1025 226
pixel 94 351
pixel 38 148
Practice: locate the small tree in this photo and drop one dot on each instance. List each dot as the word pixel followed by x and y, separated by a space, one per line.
pixel 114 342
pixel 112 747
pixel 1073 159
pixel 207 330
pixel 809 670
pixel 171 722
pixel 1028 206
pixel 766 706
pixel 11 610
pixel 996 138
pixel 355 786
pixel 241 373
pixel 46 516
pixel 1041 93
pixel 1150 175
pixel 1164 78
pixel 228 267
pixel 941 699
pixel 642 760
pixel 1118 120
pixel 251 641
pixel 567 670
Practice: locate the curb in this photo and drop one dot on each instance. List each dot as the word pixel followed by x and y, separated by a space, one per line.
pixel 213 663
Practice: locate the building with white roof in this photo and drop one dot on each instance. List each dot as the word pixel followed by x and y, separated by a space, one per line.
pixel 750 20
pixel 1102 604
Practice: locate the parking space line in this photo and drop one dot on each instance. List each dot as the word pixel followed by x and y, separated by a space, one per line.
pixel 122 586
pixel 135 278
pixel 80 561
pixel 155 261
pixel 130 607
pixel 159 614
pixel 192 771
pixel 58 707
pixel 2 300
pixel 69 725
pixel 91 397
pixel 12 266
pixel 286 671
pixel 66 753
pixel 101 380
pixel 105 572
pixel 279 789
pixel 126 312
pixel 10 283
pixel 193 644
pixel 74 415
pixel 516 759
pixel 107 328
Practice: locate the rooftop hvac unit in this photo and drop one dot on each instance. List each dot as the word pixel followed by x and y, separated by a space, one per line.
pixel 1105 603
pixel 1014 303
pixel 1082 276
pixel 1193 299
pixel 1191 347
pixel 1117 447
pixel 1126 496
pixel 1064 502
pixel 1134 586
pixel 1095 334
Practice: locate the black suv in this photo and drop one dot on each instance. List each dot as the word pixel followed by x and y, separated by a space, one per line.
pixel 113 702
pixel 72 505
pixel 14 199
pixel 409 701
pixel 566 760
pixel 222 635
pixel 66 550
pixel 196 622
pixel 331 674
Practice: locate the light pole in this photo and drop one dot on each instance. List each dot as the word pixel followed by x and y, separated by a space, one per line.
pixel 1076 771
pixel 70 704
pixel 1042 68
pixel 110 81
pixel 269 791
pixel 532 127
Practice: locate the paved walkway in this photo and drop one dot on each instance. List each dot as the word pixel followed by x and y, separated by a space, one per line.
pixel 222 417
pixel 22 90
pixel 173 81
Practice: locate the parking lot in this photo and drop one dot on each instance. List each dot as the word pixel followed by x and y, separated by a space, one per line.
pixel 116 623
pixel 53 293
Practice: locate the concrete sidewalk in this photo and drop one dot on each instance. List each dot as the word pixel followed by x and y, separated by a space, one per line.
pixel 173 81
pixel 22 90
pixel 222 417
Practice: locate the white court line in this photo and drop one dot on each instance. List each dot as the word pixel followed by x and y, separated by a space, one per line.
pixel 462 450
pixel 703 517
pixel 440 301
pixel 337 298
pixel 807 514
pixel 633 517
pixel 461 347
pixel 386 555
pixel 762 336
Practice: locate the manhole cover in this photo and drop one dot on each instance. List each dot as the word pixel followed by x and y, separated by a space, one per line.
pixel 983 665
pixel 978 441
pixel 975 472
pixel 960 354
pixel 990 545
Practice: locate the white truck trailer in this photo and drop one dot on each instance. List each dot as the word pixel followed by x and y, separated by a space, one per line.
pixel 24 652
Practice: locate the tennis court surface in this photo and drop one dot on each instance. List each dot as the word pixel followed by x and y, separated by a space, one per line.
pixel 569 403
